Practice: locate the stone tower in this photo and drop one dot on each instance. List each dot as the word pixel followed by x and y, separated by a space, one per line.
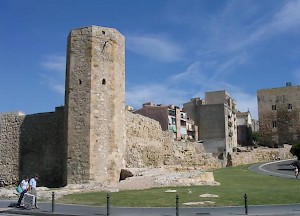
pixel 95 105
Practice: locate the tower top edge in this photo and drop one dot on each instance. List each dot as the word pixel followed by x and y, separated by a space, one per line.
pixel 94 28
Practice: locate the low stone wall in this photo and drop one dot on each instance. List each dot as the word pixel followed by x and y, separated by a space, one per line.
pixel 261 154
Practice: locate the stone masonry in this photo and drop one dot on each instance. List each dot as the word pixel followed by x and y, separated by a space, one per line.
pixel 9 148
pixel 95 104
pixel 147 146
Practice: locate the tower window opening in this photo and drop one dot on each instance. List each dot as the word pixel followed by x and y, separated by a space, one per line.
pixel 103 82
pixel 103 32
pixel 79 82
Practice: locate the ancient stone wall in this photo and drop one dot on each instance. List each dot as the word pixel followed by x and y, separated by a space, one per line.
pixel 261 154
pixel 144 142
pixel 9 148
pixel 42 148
pixel 148 146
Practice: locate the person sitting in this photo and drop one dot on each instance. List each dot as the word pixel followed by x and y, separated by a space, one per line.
pixel 24 185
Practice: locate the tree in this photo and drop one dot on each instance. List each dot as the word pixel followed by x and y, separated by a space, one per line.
pixel 295 150
pixel 255 137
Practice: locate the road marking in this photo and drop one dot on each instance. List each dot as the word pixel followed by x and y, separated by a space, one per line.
pixel 274 173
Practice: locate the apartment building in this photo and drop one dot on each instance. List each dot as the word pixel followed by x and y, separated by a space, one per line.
pixel 171 118
pixel 215 117
pixel 279 115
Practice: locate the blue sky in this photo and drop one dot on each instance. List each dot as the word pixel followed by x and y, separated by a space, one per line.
pixel 175 49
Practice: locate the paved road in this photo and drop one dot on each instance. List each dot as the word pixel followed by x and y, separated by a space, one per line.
pixel 276 168
pixel 72 210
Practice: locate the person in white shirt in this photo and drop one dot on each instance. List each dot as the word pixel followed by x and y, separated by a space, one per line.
pixel 32 188
pixel 24 185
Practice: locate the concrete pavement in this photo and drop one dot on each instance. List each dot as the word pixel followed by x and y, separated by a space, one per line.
pixel 75 210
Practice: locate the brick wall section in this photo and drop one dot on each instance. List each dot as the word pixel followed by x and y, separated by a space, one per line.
pixel 9 148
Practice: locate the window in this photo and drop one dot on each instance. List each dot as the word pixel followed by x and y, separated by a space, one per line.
pixel 290 106
pixel 103 82
pixel 273 107
pixel 274 124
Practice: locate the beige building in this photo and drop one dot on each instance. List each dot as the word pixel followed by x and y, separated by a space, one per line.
pixel 216 120
pixel 244 128
pixel 171 118
pixel 278 114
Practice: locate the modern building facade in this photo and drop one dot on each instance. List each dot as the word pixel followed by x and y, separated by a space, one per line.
pixel 279 115
pixel 216 120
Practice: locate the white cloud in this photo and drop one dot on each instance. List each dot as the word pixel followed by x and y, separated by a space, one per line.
pixel 156 47
pixel 246 102
pixel 195 84
pixel 54 63
pixel 229 65
pixel 156 93
pixel 288 17
pixel 192 73
pixel 242 27
pixel 55 81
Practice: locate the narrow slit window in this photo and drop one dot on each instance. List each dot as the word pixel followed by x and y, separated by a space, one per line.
pixel 290 106
pixel 103 82
pixel 79 82
pixel 274 124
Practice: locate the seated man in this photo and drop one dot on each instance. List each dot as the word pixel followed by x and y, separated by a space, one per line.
pixel 24 185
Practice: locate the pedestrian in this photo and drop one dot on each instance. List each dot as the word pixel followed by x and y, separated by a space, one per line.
pixel 24 185
pixel 296 170
pixel 296 166
pixel 32 188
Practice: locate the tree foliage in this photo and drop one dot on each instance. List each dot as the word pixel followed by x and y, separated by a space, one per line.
pixel 295 150
pixel 256 136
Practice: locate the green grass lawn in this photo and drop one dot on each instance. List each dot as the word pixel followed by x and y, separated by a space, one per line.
pixel 235 182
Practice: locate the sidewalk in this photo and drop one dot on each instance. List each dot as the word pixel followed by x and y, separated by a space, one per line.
pixel 74 210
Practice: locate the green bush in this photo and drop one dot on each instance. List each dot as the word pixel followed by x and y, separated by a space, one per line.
pixel 295 150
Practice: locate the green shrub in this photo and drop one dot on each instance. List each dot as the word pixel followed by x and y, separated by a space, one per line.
pixel 295 150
